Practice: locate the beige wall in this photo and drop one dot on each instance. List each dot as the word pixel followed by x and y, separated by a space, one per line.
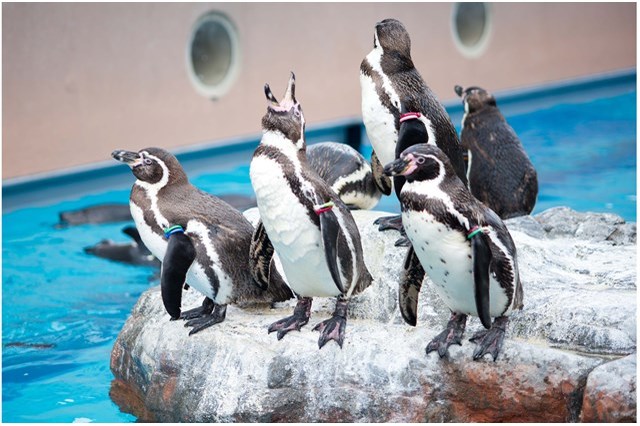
pixel 80 80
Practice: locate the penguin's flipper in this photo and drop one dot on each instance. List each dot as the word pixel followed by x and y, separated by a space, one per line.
pixel 260 255
pixel 132 232
pixel 410 284
pixel 383 182
pixel 481 255
pixel 178 258
pixel 330 230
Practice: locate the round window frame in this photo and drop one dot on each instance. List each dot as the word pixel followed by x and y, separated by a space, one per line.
pixel 217 90
pixel 479 48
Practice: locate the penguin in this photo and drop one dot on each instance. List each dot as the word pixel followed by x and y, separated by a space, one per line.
pixel 198 237
pixel 135 252
pixel 101 213
pixel 499 171
pixel 392 87
pixel 462 245
pixel 349 174
pixel 304 221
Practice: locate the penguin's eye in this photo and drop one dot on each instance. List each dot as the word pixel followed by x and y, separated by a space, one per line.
pixel 147 161
pixel 420 160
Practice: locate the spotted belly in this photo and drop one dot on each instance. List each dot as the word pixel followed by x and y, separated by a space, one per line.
pixel 445 255
pixel 297 240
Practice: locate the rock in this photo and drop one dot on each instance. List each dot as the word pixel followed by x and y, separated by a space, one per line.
pixel 579 295
pixel 610 393
pixel 563 221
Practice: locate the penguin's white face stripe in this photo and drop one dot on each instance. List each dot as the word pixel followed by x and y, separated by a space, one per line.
pixel 152 189
pixel 374 57
pixel 431 189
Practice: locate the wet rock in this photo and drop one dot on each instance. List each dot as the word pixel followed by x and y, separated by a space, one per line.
pixel 579 295
pixel 610 393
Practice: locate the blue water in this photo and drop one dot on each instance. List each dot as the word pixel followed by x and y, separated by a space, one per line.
pixel 62 309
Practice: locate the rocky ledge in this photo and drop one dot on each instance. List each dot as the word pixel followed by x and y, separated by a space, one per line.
pixel 569 355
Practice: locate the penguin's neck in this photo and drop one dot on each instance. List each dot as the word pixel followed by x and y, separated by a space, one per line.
pixel 290 149
pixel 431 189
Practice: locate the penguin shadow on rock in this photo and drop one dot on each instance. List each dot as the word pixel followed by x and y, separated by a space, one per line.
pixel 304 221
pixel 393 89
pixel 462 245
pixel 358 182
pixel 499 171
pixel 199 238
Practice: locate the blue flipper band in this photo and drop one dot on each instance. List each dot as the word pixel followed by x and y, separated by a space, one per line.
pixel 175 229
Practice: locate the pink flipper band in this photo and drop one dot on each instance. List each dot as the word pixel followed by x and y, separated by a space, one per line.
pixel 409 116
pixel 322 208
pixel 476 230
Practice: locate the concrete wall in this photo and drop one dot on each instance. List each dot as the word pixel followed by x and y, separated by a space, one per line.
pixel 80 80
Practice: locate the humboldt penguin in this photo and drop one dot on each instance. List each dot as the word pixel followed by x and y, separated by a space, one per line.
pixel 499 171
pixel 304 221
pixel 461 244
pixel 199 238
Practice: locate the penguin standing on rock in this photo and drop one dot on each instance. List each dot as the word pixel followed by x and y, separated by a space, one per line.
pixel 306 223
pixel 198 237
pixel 349 174
pixel 391 87
pixel 499 171
pixel 461 244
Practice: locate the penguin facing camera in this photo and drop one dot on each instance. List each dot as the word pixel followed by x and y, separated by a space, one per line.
pixel 464 248
pixel 350 175
pixel 390 86
pixel 199 239
pixel 304 221
pixel 499 171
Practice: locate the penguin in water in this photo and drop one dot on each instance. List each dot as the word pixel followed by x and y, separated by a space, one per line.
pixel 306 223
pixel 198 237
pixel 134 252
pixel 392 87
pixel 349 174
pixel 462 245
pixel 499 171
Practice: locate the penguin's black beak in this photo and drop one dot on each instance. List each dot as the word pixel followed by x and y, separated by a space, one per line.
pixel 459 90
pixel 402 166
pixel 128 157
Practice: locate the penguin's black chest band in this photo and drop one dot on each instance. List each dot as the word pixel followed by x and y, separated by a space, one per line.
pixel 175 229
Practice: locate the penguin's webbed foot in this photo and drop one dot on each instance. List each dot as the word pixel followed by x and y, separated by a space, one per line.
pixel 205 309
pixel 334 327
pixel 389 222
pixel 217 316
pixel 490 341
pixel 451 335
pixel 300 318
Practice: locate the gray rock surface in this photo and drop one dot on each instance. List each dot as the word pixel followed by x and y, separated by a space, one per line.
pixel 579 313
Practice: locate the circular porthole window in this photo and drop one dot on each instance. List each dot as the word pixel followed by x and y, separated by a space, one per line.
pixel 471 25
pixel 213 55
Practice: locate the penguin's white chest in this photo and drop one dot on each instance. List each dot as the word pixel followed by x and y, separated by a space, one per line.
pixel 295 238
pixel 378 121
pixel 445 255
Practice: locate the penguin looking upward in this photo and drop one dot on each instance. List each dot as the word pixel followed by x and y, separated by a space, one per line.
pixel 391 86
pixel 461 244
pixel 197 237
pixel 305 221
pixel 499 171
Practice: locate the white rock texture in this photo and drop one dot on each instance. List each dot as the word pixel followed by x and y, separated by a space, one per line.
pixel 579 278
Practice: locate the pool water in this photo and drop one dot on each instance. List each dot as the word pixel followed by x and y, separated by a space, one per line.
pixel 62 309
